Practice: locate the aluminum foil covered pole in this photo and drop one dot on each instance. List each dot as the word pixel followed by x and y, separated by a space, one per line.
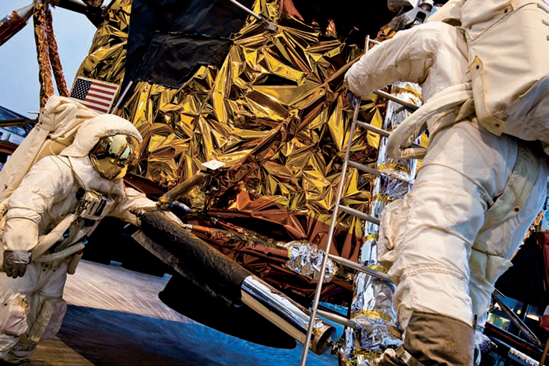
pixel 372 308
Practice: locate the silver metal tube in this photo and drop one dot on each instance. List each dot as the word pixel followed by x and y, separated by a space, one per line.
pixel 286 314
pixel 257 16
pixel 365 168
pixel 398 100
pixel 371 308
pixel 518 322
pixel 362 215
pixel 336 318
pixel 358 267
pixel 380 131
pixel 121 98
pixel 374 129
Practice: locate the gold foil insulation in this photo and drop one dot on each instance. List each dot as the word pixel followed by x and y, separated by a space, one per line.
pixel 54 57
pixel 106 59
pixel 372 308
pixel 275 113
pixel 47 54
pixel 44 69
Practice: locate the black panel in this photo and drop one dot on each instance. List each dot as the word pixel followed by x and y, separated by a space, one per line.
pixel 524 281
pixel 161 33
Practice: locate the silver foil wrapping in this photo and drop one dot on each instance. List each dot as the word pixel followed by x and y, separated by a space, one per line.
pixel 286 314
pixel 372 308
pixel 306 259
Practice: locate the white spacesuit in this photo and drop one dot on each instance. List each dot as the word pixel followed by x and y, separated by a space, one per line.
pixel 64 196
pixel 475 196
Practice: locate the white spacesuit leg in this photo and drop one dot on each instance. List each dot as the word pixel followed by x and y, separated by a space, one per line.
pixel 47 309
pixel 496 244
pixel 431 237
pixel 15 300
pixel 463 172
pixel 37 310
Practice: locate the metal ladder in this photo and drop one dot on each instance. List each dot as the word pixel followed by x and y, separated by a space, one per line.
pixel 359 214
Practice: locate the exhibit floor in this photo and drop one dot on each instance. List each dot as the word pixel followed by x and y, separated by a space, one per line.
pixel 115 318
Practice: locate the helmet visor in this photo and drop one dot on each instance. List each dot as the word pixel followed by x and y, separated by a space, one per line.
pixel 113 155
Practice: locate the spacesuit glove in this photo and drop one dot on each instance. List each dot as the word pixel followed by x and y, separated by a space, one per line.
pixel 352 99
pixel 15 262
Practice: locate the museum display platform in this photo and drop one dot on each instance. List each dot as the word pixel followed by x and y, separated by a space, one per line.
pixel 115 318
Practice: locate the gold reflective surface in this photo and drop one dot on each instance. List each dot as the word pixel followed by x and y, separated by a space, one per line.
pixel 107 56
pixel 275 112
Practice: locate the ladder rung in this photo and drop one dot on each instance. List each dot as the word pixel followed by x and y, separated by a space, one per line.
pixel 361 268
pixel 398 100
pixel 365 168
pixel 395 331
pixel 336 318
pixel 381 132
pixel 362 215
pixel 375 129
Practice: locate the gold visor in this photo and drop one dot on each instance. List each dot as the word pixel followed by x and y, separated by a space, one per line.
pixel 113 155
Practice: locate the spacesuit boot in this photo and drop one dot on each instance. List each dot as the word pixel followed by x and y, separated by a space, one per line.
pixel 433 339
pixel 20 352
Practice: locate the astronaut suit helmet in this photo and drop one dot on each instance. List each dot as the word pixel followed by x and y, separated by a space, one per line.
pixel 113 155
pixel 111 143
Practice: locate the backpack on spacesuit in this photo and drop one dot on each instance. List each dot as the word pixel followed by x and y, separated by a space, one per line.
pixel 56 128
pixel 509 65
pixel 508 53
pixel 57 125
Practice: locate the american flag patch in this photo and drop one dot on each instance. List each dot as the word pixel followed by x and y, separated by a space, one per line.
pixel 94 94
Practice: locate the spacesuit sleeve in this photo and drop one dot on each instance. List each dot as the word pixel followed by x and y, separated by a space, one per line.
pixel 46 182
pixel 407 57
pixel 134 198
